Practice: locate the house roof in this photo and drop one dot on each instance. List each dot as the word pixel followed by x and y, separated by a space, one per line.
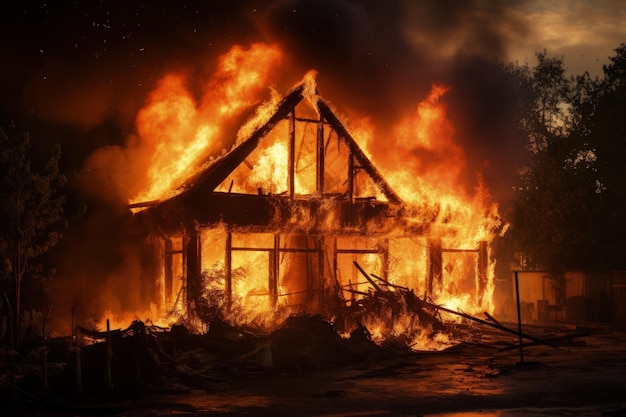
pixel 216 171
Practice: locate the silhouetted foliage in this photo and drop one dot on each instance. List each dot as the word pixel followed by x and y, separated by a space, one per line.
pixel 570 202
pixel 31 208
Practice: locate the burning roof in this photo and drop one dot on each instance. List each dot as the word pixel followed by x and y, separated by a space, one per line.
pixel 190 201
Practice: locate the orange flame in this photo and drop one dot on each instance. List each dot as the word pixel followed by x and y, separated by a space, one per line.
pixel 423 163
pixel 427 169
pixel 181 132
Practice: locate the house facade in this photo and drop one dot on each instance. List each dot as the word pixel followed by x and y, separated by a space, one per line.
pixel 287 217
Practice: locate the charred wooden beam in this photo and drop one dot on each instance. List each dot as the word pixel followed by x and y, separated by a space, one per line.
pixel 193 267
pixel 491 318
pixel 292 153
pixel 483 266
pixel 350 177
pixel 361 158
pixel 274 265
pixel 389 284
pixel 557 340
pixel 435 265
pixel 369 279
pixel 228 265
pixel 356 292
pixel 497 326
pixel 320 157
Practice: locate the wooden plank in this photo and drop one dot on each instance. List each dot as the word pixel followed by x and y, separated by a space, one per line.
pixel 371 281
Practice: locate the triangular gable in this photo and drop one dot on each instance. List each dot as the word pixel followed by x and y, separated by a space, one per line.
pixel 218 170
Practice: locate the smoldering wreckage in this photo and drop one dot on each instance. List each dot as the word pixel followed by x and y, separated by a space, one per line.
pixel 302 275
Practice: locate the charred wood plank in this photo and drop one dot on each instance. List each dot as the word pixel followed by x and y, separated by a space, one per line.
pixel 558 340
pixel 371 281
pixel 503 328
pixel 491 318
pixel 356 151
pixel 389 284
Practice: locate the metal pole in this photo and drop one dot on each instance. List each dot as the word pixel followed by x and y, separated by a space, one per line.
pixel 519 320
pixel 109 356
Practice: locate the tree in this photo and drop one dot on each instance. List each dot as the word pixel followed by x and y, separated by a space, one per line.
pixel 606 132
pixel 570 206
pixel 31 208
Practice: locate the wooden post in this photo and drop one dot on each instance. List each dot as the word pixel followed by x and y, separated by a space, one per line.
pixel 519 320
pixel 385 255
pixel 350 176
pixel 273 276
pixel 320 268
pixel 320 156
pixel 292 153
pixel 335 274
pixel 228 261
pixel 483 266
pixel 193 267
pixel 169 278
pixel 369 279
pixel 435 265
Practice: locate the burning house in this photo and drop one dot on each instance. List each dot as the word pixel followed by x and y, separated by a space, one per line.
pixel 291 217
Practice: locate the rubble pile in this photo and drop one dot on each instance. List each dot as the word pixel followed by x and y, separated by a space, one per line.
pixel 145 358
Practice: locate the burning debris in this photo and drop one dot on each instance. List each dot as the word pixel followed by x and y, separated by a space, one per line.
pixel 148 359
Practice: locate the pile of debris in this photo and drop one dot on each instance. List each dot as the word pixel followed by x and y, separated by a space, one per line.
pixel 148 358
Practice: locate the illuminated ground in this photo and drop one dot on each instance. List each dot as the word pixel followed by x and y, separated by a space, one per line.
pixel 466 380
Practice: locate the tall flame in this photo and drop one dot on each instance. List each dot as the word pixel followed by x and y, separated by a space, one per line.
pixel 181 131
pixel 421 161
pixel 427 168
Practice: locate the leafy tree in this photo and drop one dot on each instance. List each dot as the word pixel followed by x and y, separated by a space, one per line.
pixel 31 208
pixel 570 205
pixel 606 127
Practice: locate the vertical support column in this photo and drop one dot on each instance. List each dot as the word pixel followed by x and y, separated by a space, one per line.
pixel 435 266
pixel 291 174
pixel 320 156
pixel 193 267
pixel 320 275
pixel 385 255
pixel 350 176
pixel 483 267
pixel 519 320
pixel 335 261
pixel 228 263
pixel 273 276
pixel 184 268
pixel 169 273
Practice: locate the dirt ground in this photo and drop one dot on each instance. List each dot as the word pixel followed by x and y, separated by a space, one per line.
pixel 586 378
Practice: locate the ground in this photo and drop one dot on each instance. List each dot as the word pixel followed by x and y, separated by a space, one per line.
pixel 584 378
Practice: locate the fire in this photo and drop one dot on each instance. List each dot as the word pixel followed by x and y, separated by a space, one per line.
pixel 420 160
pixel 271 170
pixel 181 131
pixel 426 168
